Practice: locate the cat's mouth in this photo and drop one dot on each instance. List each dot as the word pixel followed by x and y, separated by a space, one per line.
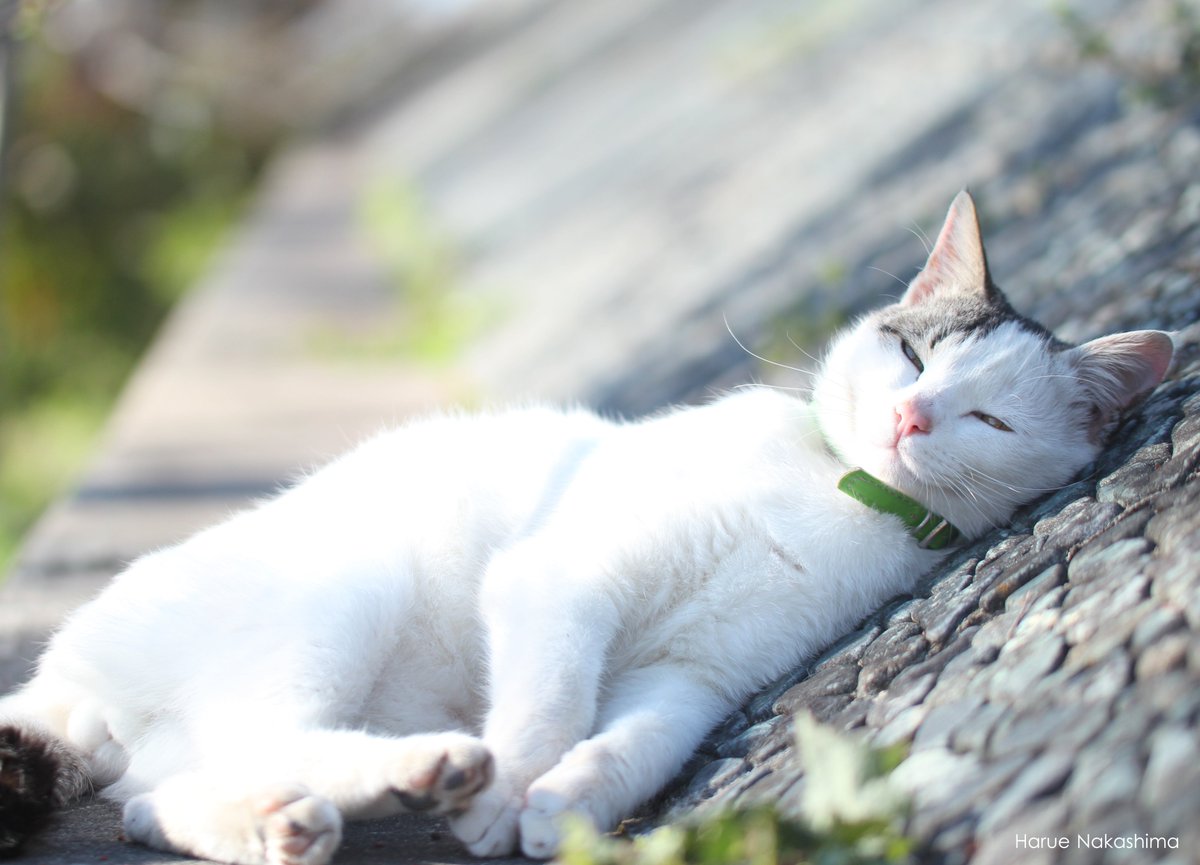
pixel 903 467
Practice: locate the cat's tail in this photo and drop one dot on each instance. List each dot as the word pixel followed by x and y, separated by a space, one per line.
pixel 39 773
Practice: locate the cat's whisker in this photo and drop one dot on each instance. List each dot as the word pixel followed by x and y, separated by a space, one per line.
pixel 970 499
pixel 1050 375
pixel 753 385
pixel 983 478
pixel 919 233
pixel 759 357
pixel 803 351
pixel 892 275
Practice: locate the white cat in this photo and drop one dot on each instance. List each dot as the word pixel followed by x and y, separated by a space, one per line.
pixel 512 616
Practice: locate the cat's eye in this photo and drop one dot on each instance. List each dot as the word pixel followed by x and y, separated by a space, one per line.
pixel 993 422
pixel 912 356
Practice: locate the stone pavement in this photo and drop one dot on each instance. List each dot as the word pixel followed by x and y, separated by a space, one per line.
pixel 616 184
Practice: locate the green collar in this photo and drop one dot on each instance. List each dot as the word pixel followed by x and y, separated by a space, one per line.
pixel 931 531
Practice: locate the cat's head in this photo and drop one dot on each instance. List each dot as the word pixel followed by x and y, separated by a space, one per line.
pixel 954 398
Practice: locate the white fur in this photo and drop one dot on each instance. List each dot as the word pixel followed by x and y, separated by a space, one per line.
pixel 586 597
pixel 610 590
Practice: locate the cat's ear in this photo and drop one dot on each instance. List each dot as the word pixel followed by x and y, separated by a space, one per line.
pixel 1118 370
pixel 957 263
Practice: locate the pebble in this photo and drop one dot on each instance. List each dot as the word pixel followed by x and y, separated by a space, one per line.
pixel 1095 561
pixel 894 649
pixel 715 775
pixel 1106 680
pixel 1154 625
pixel 1173 763
pixel 1046 774
pixel 1136 479
pixel 1105 779
pixel 940 621
pixel 763 706
pixel 1030 593
pixel 1015 672
pixel 741 744
pixel 1168 653
pixel 830 680
pixel 1040 727
pixel 943 720
pixel 900 696
pixel 974 733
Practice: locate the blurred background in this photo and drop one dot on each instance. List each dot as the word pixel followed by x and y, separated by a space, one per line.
pixel 594 200
pixel 134 134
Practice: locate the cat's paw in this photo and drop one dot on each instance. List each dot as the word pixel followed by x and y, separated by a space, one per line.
pixel 541 822
pixel 296 827
pixel 489 826
pixel 455 770
pixel 284 825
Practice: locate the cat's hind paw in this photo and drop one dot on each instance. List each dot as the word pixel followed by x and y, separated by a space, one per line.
pixel 283 825
pixel 297 828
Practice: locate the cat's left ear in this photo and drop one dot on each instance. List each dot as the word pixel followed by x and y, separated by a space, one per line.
pixel 957 263
pixel 1120 369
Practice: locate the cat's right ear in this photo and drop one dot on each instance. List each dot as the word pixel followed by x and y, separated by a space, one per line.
pixel 957 263
pixel 1120 369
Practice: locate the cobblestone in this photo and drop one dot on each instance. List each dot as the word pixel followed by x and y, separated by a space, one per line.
pixel 1104 780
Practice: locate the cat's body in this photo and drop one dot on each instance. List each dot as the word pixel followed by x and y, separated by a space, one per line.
pixel 588 597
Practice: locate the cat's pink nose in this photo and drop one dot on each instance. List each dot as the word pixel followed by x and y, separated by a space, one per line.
pixel 910 420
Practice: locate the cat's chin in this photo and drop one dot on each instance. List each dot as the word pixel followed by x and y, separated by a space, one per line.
pixel 896 469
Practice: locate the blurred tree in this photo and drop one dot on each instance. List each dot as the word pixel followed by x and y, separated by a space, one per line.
pixel 110 210
pixel 8 13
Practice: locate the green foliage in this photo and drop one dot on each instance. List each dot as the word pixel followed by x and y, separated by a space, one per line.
pixel 42 447
pixel 778 39
pixel 846 783
pixel 109 213
pixel 1089 41
pixel 849 814
pixel 1164 78
pixel 431 322
pixel 794 335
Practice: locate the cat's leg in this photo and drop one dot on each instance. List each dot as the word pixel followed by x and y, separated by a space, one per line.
pixel 280 799
pixel 366 775
pixel 654 720
pixel 547 634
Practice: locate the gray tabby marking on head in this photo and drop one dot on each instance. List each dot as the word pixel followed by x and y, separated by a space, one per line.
pixel 976 308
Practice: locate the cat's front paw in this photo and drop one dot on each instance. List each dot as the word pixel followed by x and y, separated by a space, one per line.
pixel 575 787
pixel 489 826
pixel 456 768
pixel 541 822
